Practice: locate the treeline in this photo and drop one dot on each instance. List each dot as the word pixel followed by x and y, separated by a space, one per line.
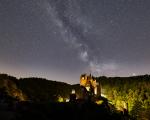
pixel 42 90
pixel 35 98
pixel 34 89
pixel 132 93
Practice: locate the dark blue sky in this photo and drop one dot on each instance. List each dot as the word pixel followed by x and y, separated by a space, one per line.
pixel 60 39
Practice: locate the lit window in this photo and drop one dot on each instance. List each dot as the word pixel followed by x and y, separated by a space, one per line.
pixel 88 88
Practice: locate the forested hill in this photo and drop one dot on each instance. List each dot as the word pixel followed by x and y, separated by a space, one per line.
pixel 132 93
pixel 35 89
pixel 38 89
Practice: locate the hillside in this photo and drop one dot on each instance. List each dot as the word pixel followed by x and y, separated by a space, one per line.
pixel 34 89
pixel 10 85
pixel 131 93
pixel 38 89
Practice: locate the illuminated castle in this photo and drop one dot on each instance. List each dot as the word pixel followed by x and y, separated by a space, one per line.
pixel 89 83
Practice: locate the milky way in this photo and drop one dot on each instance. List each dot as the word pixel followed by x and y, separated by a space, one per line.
pixel 60 39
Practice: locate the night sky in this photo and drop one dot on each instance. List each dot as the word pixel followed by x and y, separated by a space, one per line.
pixel 60 39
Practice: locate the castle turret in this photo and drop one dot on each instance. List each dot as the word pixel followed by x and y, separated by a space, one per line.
pixel 90 83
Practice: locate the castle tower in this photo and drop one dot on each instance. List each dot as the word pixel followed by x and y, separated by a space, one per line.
pixel 91 85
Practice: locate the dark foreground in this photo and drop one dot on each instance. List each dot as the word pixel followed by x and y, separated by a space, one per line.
pixel 63 111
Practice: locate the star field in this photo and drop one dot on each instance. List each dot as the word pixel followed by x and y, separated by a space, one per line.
pixel 60 39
